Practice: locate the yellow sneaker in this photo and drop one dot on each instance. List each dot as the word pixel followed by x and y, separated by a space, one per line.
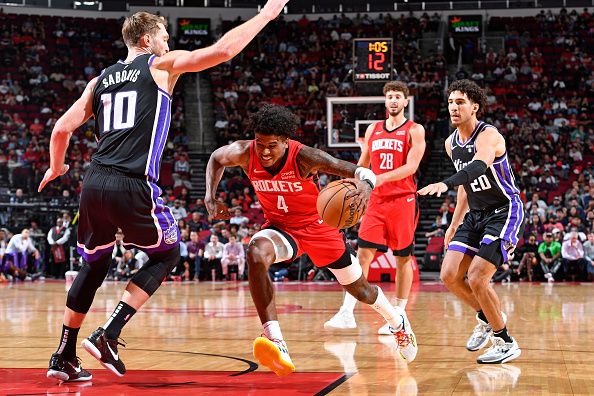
pixel 274 355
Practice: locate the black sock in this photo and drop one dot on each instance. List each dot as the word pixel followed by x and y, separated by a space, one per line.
pixel 503 334
pixel 118 319
pixel 482 316
pixel 67 347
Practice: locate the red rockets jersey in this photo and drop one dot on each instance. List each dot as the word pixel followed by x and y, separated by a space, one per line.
pixel 287 199
pixel 388 151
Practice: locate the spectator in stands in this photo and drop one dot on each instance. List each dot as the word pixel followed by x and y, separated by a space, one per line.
pixel 528 256
pixel 213 253
pixel 534 227
pixel 537 205
pixel 437 228
pixel 178 211
pixel 57 237
pixel 589 256
pixel 117 255
pixel 127 266
pixel 233 255
pixel 550 257
pixel 238 218
pixel 184 269
pixel 198 222
pixel 195 253
pixel 182 165
pixel 15 261
pixel 555 206
pixel 3 244
pixel 574 261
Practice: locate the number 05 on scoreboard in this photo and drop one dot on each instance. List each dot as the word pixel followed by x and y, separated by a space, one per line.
pixel 372 59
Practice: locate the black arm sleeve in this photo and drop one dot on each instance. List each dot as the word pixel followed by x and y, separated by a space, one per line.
pixel 473 170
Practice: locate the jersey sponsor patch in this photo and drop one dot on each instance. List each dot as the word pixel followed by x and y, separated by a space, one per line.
pixel 170 235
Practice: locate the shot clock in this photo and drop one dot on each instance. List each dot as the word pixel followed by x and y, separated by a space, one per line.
pixel 372 59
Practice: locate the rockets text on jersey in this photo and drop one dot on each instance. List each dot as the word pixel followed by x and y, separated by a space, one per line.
pixel 388 150
pixel 286 198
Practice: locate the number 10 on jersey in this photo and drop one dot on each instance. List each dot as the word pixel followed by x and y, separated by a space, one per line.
pixel 120 120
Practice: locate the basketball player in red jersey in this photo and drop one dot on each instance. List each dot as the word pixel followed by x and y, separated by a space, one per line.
pixel 281 171
pixel 394 148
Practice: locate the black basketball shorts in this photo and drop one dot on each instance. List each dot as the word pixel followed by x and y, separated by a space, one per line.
pixel 110 200
pixel 491 234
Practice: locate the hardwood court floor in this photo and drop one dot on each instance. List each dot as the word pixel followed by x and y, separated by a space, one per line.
pixel 197 338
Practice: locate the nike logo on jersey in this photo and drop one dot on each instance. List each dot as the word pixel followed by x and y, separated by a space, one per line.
pixel 410 199
pixel 259 171
pixel 500 210
pixel 320 221
pixel 377 133
pixel 400 133
pixel 115 355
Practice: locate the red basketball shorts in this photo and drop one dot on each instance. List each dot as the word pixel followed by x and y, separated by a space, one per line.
pixel 323 244
pixel 390 222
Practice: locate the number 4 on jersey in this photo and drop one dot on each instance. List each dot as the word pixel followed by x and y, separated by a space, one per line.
pixel 281 204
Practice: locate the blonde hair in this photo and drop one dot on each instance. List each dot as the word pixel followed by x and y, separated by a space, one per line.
pixel 139 24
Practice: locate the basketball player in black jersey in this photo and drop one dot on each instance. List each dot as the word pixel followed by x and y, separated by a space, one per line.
pixel 481 239
pixel 131 103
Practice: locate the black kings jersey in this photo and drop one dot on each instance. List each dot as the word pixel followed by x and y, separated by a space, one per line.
pixel 497 187
pixel 132 116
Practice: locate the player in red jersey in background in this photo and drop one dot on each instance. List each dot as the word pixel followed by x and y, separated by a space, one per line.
pixel 394 148
pixel 281 171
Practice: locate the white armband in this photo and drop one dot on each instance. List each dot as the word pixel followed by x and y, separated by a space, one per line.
pixel 365 174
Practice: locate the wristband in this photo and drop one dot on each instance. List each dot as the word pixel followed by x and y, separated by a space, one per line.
pixel 366 174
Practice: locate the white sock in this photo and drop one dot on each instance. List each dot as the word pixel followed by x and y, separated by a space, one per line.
pixel 393 315
pixel 272 330
pixel 401 302
pixel 348 303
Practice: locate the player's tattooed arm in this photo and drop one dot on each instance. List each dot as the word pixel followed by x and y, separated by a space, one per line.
pixel 311 160
pixel 234 154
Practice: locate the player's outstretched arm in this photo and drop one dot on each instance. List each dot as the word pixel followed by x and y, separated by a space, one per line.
pixel 489 145
pixel 231 44
pixel 234 154
pixel 74 117
pixel 413 159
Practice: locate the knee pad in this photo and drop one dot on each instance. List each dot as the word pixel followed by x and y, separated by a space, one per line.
pixel 89 278
pixel 152 274
pixel 347 269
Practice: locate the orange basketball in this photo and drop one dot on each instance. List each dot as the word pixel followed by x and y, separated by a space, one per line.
pixel 334 209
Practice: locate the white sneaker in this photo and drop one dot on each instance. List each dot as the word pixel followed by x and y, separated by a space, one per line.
pixel 500 352
pixel 549 277
pixel 384 330
pixel 274 355
pixel 481 333
pixel 342 320
pixel 407 342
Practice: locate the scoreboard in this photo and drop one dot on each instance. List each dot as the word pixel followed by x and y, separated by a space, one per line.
pixel 372 59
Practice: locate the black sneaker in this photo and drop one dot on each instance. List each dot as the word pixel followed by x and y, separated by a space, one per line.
pixel 66 370
pixel 105 350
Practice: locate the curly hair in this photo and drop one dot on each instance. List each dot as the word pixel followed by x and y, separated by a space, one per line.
pixel 397 86
pixel 274 120
pixel 475 93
